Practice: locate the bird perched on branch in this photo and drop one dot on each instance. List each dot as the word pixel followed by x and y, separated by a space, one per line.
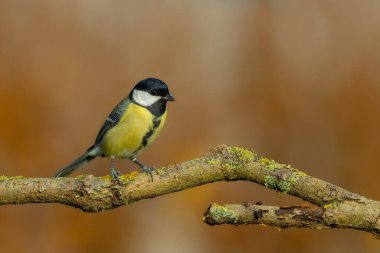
pixel 130 128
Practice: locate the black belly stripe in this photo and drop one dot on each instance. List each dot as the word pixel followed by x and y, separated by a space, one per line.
pixel 156 123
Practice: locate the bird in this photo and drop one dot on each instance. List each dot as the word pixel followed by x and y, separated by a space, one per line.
pixel 130 128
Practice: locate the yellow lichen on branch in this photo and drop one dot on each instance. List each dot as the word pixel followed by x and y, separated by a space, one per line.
pixel 336 207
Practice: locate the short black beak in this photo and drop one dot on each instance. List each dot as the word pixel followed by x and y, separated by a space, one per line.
pixel 169 97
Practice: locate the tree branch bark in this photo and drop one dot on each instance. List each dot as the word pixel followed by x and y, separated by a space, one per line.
pixel 336 207
pixel 280 217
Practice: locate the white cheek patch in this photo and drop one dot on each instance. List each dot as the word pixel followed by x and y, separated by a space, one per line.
pixel 144 98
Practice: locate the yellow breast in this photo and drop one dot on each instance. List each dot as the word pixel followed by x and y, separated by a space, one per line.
pixel 125 140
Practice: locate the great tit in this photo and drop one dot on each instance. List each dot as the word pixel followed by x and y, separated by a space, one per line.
pixel 130 128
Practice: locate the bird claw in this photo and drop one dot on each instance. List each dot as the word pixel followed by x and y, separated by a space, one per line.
pixel 115 174
pixel 149 171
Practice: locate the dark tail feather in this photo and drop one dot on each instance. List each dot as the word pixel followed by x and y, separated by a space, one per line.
pixel 80 161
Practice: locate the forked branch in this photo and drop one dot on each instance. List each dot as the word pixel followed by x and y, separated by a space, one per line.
pixel 334 207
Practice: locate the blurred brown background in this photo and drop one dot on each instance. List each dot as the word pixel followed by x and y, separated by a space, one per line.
pixel 298 81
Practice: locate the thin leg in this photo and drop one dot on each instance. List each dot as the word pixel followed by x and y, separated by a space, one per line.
pixel 146 169
pixel 114 173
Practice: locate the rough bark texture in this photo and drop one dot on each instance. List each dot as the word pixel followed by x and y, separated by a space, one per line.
pixel 336 207
pixel 280 217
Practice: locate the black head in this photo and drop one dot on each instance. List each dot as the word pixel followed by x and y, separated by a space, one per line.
pixel 153 94
pixel 154 87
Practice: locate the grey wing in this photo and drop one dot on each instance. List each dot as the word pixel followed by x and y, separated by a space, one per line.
pixel 112 119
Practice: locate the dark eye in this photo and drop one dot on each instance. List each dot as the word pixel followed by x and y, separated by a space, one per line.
pixel 154 92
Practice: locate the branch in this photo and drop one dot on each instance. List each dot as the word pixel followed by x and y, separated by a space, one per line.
pixel 280 217
pixel 336 207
